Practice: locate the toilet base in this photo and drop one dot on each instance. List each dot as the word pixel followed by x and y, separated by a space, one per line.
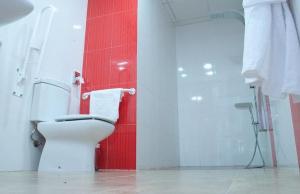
pixel 67 156
pixel 70 145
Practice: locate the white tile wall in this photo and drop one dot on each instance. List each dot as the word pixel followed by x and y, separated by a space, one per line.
pixel 64 53
pixel 284 133
pixel 212 131
pixel 157 121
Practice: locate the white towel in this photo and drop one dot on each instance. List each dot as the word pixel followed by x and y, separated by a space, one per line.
pixel 273 83
pixel 257 43
pixel 291 83
pixel 105 103
pixel 271 50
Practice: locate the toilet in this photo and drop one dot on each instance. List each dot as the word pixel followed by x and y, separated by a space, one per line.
pixel 70 139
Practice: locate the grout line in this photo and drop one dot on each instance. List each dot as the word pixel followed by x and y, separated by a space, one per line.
pixel 232 182
pixel 111 47
pixel 192 21
pixel 110 14
pixel 208 7
pixel 168 6
pixel 229 188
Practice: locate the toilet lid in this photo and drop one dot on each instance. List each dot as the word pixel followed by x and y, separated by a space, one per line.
pixel 82 117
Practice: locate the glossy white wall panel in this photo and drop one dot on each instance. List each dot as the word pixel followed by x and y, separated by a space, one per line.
pixel 284 133
pixel 212 131
pixel 64 51
pixel 157 120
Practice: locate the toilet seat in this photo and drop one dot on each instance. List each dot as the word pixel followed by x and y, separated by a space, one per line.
pixel 82 117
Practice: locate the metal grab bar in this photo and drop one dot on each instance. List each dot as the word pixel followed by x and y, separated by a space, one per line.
pixel 131 91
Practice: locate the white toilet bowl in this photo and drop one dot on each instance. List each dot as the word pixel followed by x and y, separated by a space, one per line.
pixel 71 141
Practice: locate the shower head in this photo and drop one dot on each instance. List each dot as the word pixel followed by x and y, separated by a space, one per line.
pixel 243 105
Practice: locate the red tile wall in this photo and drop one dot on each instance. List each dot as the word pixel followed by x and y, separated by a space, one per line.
pixel 295 107
pixel 111 40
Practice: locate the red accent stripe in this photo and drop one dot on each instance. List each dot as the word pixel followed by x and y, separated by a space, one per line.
pixel 295 108
pixel 271 131
pixel 111 40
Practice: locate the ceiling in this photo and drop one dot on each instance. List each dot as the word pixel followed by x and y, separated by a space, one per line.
pixel 187 11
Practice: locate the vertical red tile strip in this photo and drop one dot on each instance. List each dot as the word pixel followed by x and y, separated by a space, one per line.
pixel 110 61
pixel 295 108
pixel 271 131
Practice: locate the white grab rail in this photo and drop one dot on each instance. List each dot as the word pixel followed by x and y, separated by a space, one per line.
pixel 36 50
pixel 131 91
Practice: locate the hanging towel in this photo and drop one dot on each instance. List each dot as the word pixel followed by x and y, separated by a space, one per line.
pixel 291 83
pixel 105 103
pixel 273 83
pixel 271 49
pixel 257 43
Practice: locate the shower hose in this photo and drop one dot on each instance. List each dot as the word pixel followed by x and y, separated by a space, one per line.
pixel 255 125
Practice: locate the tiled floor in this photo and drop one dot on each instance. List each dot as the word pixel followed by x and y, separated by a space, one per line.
pixel 259 181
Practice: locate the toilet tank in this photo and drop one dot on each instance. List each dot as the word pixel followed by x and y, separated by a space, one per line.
pixel 50 100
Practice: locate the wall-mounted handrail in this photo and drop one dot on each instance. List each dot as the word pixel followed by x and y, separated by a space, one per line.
pixel 131 91
pixel 36 50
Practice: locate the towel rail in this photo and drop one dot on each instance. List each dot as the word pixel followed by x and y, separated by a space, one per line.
pixel 131 91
